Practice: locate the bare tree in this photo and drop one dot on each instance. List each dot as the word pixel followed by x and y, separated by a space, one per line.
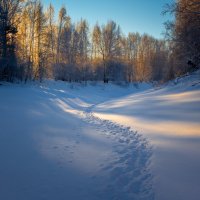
pixel 107 42
pixel 62 19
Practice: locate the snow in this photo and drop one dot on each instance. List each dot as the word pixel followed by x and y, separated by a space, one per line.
pixel 71 141
pixel 169 117
pixel 52 147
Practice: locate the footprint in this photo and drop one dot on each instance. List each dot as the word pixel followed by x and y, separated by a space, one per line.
pixel 121 141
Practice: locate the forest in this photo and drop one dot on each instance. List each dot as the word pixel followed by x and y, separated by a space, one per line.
pixel 35 45
pixel 99 100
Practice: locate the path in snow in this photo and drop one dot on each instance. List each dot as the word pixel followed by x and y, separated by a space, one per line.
pixel 169 116
pixel 126 174
pixel 129 172
pixel 52 147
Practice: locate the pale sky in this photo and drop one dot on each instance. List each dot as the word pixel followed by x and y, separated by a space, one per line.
pixel 143 16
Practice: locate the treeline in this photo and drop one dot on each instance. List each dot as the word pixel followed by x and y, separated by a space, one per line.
pixel 34 46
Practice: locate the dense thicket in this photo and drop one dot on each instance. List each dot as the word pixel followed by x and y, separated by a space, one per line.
pixel 33 46
pixel 184 36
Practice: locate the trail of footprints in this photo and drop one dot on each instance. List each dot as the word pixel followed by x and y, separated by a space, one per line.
pixel 129 172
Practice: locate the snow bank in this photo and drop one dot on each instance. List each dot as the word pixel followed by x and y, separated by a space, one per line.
pixel 169 116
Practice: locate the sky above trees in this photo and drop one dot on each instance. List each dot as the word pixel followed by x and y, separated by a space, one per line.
pixel 143 16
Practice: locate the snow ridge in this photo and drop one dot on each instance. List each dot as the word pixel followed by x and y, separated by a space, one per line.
pixel 128 171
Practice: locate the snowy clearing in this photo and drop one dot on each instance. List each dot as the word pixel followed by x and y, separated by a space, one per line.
pixel 68 141
pixel 52 147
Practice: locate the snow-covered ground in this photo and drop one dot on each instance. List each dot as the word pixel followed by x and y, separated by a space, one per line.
pixel 169 117
pixel 68 141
